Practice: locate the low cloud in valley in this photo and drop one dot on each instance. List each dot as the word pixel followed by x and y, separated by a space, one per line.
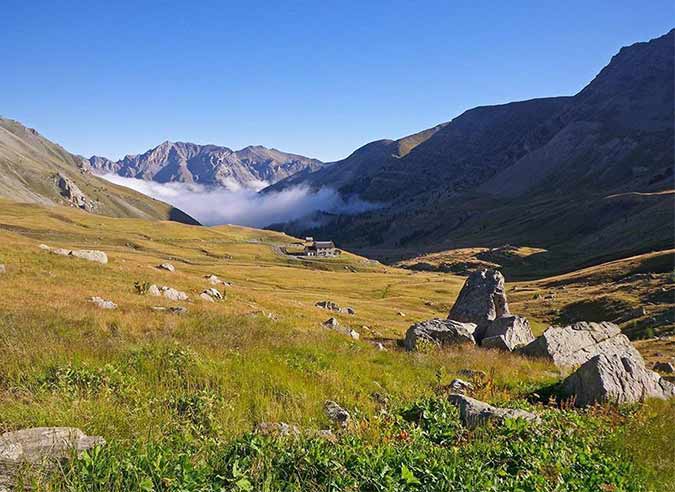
pixel 218 205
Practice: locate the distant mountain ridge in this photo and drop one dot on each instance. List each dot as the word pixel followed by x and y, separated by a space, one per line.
pixel 583 174
pixel 252 167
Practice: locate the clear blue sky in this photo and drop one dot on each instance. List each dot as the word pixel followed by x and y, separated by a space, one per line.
pixel 318 78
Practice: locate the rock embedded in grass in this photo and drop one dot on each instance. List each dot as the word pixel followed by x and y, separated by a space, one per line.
pixel 617 379
pixel 167 266
pixel 172 309
pixel 90 255
pixel 474 413
pixel 40 446
pixel 102 303
pixel 173 294
pixel 336 413
pixel 460 386
pixel 570 346
pixel 439 332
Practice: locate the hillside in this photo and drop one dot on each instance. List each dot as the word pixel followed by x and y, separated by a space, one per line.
pixel 176 396
pixel 588 178
pixel 35 170
pixel 252 167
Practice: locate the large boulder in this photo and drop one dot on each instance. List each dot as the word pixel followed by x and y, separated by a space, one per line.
pixel 570 346
pixel 474 413
pixel 439 332
pixel 615 378
pixel 40 445
pixel 507 333
pixel 481 300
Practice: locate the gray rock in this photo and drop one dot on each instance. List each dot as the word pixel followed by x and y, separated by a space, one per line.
pixel 102 303
pixel 61 251
pixel 40 446
pixel 336 413
pixel 507 333
pixel 460 386
pixel 334 324
pixel 481 300
pixel 167 266
pixel 349 311
pixel 213 279
pixel 90 255
pixel 331 323
pixel 439 332
pixel 214 294
pixel 570 346
pixel 173 294
pixel 617 379
pixel 153 290
pixel 205 297
pixel 474 413
pixel 73 194
pixel 665 367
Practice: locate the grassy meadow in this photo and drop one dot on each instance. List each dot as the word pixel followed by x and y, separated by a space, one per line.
pixel 177 396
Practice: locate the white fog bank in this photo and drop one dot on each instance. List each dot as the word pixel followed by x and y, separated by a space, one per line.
pixel 217 205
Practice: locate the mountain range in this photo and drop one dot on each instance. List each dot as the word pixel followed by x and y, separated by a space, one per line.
pixel 253 167
pixel 587 177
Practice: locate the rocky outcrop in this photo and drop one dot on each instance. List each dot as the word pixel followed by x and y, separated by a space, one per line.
pixel 615 378
pixel 439 332
pixel 481 300
pixel 213 294
pixel 474 413
pixel 40 446
pixel 507 333
pixel 570 346
pixel 72 193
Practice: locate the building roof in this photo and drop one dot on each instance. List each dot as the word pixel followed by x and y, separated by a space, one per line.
pixel 324 244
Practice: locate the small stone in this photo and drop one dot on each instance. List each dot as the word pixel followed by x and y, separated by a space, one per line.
pixel 401 314
pixel 336 413
pixel 173 294
pixel 472 374
pixel 102 303
pixel 354 334
pixel 206 297
pixel 167 266
pixel 331 323
pixel 214 294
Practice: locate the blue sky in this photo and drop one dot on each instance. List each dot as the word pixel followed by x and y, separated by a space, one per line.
pixel 316 78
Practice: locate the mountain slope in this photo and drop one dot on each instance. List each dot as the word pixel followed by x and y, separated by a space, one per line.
pixel 35 170
pixel 585 177
pixel 252 167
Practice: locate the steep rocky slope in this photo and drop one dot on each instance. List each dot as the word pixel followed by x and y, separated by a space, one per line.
pixel 252 167
pixel 586 177
pixel 35 170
